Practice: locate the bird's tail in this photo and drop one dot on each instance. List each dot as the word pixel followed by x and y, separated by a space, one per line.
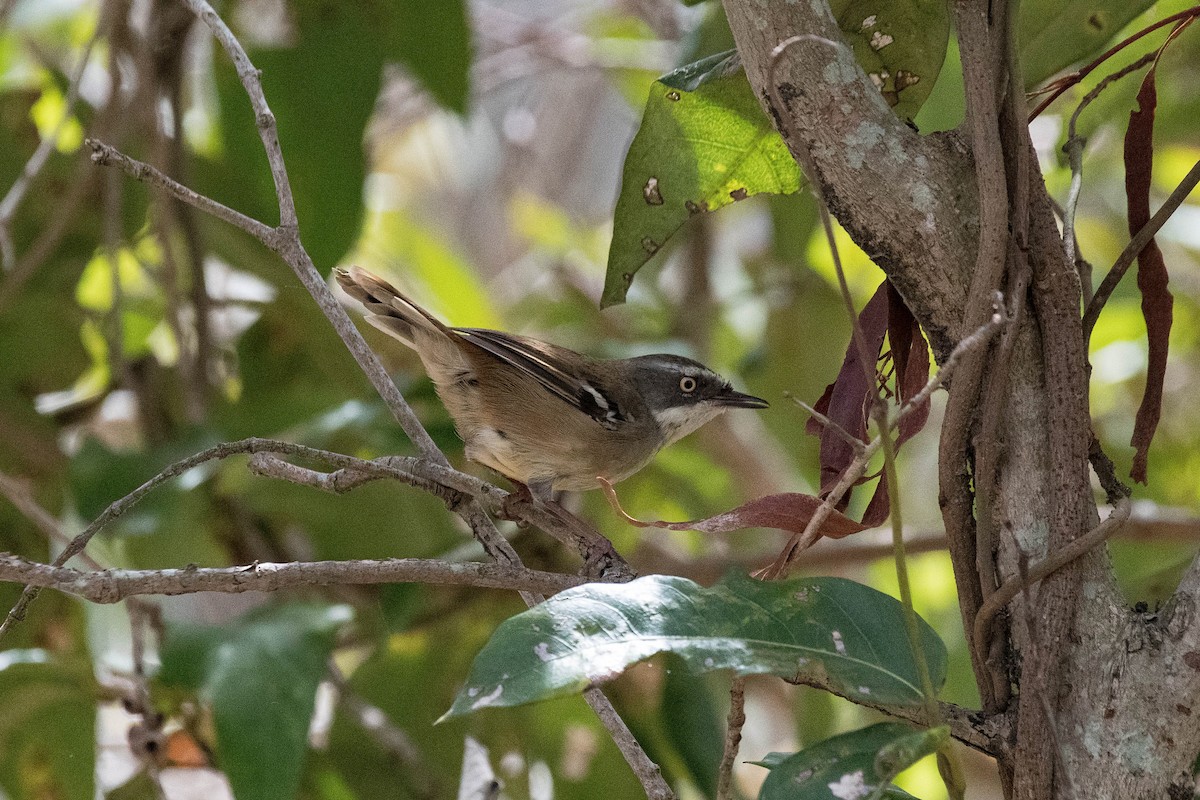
pixel 387 308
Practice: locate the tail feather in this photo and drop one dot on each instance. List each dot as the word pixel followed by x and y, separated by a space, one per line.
pixel 387 308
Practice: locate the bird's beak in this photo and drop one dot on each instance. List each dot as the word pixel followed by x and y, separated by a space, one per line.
pixel 733 399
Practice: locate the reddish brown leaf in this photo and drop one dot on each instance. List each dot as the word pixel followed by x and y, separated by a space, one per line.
pixel 787 512
pixel 849 395
pixel 900 330
pixel 880 506
pixel 910 354
pixel 1152 278
pixel 790 512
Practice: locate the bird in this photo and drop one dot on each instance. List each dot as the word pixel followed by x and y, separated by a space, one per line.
pixel 546 417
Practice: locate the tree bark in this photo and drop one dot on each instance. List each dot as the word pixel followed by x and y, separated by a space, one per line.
pixel 1104 697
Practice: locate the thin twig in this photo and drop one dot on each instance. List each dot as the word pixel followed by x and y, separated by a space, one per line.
pixel 987 733
pixel 600 559
pixel 1074 150
pixel 1135 247
pixel 647 772
pixel 107 155
pixel 733 737
pixel 1053 562
pixel 1061 85
pixel 856 444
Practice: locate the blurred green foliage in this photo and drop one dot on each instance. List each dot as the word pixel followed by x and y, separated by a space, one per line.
pixel 491 199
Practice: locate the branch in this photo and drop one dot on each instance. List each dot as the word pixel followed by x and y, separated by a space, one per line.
pixel 1135 247
pixel 115 585
pixel 733 737
pixel 1052 563
pixel 647 772
pixel 987 733
pixel 106 155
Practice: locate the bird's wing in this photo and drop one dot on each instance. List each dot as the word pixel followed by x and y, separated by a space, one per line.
pixel 537 360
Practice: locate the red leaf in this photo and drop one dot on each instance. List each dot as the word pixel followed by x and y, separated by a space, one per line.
pixel 880 506
pixel 787 512
pixel 849 395
pixel 1152 278
pixel 900 330
pixel 910 355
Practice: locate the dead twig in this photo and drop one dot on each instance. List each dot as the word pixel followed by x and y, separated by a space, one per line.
pixel 733 737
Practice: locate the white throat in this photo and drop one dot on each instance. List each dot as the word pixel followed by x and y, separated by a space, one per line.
pixel 678 421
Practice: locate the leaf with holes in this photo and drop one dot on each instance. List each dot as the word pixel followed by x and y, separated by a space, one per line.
pixel 900 45
pixel 704 143
pixel 854 764
pixel 843 634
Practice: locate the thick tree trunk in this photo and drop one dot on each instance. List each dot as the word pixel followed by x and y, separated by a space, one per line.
pixel 1103 698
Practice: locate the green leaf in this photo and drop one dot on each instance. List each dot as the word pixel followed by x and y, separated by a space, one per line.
pixel 1054 36
pixel 854 764
pixel 900 45
pixel 47 727
pixel 703 144
pixel 433 41
pixel 321 100
pixel 704 141
pixel 259 675
pixel 842 632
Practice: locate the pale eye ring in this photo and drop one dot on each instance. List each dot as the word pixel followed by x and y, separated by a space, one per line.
pixel 687 384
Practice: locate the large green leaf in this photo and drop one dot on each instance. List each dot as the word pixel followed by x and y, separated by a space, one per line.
pixel 1053 36
pixel 829 628
pixel 433 41
pixel 704 142
pixel 321 98
pixel 854 764
pixel 47 727
pixel 259 675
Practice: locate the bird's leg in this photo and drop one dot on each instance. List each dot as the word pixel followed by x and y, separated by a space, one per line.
pixel 536 493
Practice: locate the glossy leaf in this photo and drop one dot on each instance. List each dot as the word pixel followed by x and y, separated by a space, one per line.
pixel 259 676
pixel 1053 36
pixel 854 764
pixel 831 628
pixel 704 143
pixel 47 727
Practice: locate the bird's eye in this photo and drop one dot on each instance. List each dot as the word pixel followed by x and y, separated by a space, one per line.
pixel 687 384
